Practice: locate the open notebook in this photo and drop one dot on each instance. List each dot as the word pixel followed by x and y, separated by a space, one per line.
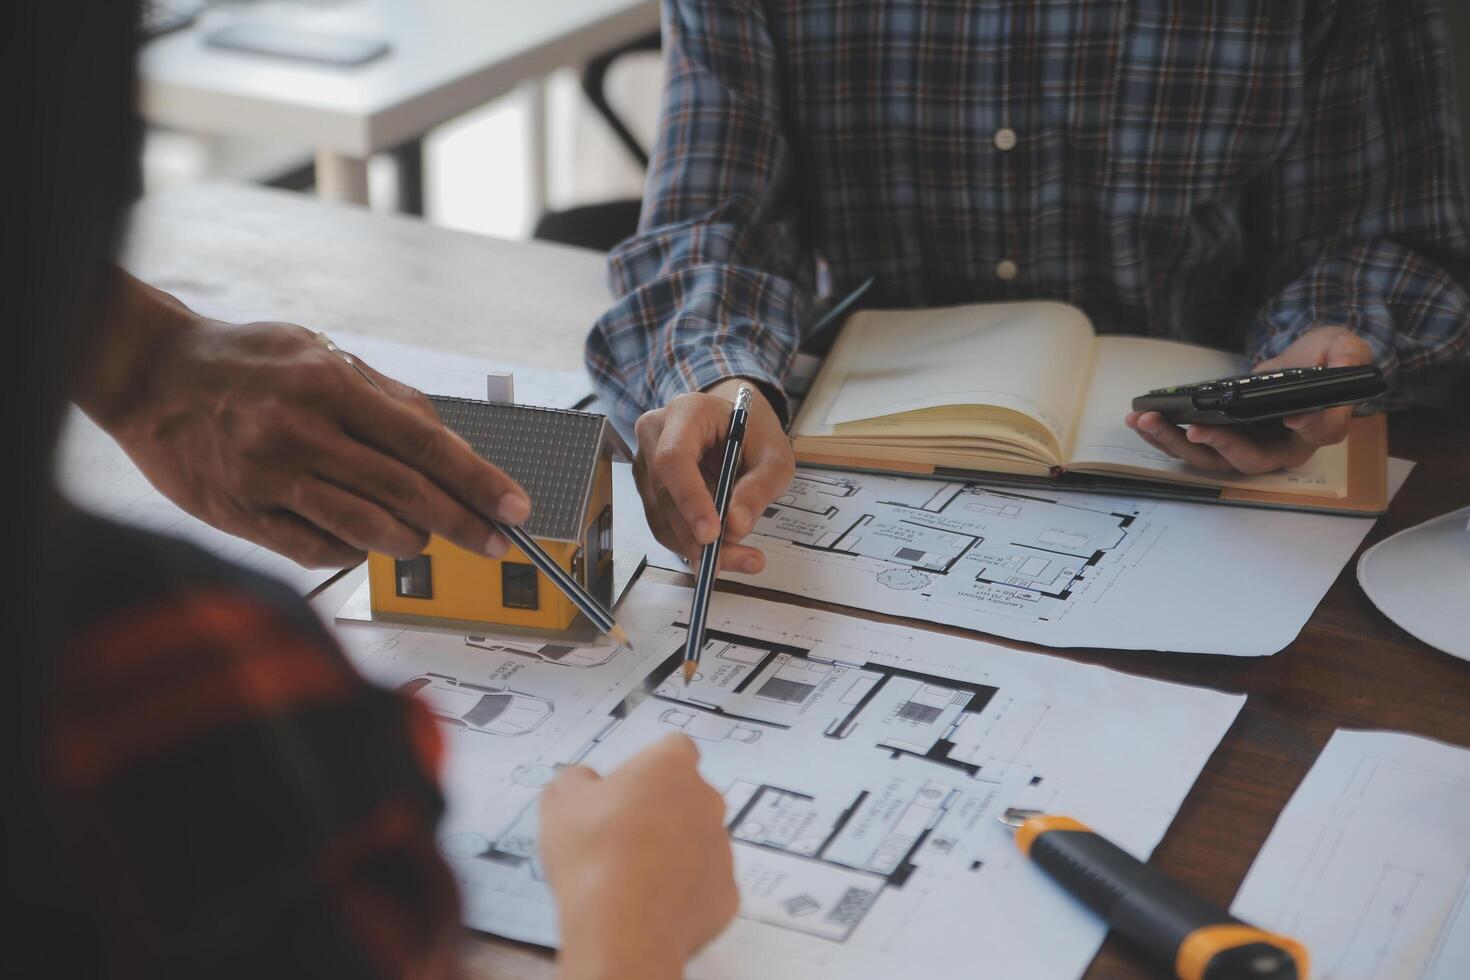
pixel 1029 393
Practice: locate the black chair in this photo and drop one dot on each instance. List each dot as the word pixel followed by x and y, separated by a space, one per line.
pixel 602 225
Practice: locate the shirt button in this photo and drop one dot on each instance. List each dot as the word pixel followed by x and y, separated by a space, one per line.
pixel 1006 270
pixel 1005 139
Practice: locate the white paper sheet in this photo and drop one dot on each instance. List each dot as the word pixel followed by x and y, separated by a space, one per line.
pixel 863 768
pixel 441 373
pixel 1060 569
pixel 630 524
pixel 1369 864
pixel 96 474
pixel 1420 579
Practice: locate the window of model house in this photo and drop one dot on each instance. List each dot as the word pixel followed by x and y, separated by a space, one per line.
pixel 518 586
pixel 599 542
pixel 414 578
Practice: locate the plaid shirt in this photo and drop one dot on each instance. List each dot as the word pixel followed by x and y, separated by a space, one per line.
pixel 230 799
pixel 1231 173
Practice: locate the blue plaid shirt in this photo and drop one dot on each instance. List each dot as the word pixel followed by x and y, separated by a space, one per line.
pixel 1231 173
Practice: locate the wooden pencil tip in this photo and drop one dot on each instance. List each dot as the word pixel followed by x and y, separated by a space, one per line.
pixel 621 635
pixel 687 669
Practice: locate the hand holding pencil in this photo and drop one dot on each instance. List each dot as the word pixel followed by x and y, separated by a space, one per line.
pixel 709 562
pixel 679 451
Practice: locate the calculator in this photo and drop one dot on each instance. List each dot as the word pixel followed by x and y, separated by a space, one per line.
pixel 1252 398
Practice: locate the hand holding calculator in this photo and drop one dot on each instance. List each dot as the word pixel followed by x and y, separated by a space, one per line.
pixel 1299 401
pixel 1255 398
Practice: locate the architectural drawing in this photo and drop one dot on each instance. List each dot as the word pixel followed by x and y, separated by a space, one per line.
pixel 862 768
pixel 1369 865
pixel 1063 569
pixel 553 653
pixel 476 708
pixel 1018 554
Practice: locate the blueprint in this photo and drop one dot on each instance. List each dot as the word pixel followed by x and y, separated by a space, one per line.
pixel 1369 864
pixel 863 767
pixel 1056 568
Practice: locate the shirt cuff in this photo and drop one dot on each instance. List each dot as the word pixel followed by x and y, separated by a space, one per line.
pixel 702 366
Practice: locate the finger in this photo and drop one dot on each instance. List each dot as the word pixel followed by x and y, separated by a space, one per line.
pixel 1169 438
pixel 678 745
pixel 1248 455
pixel 686 437
pixel 1155 443
pixel 576 775
pixel 1305 351
pixel 669 754
pixel 1348 350
pixel 675 748
pixel 303 542
pixel 680 537
pixel 358 522
pixel 440 455
pixel 406 494
pixel 407 394
pixel 768 476
pixel 571 779
pixel 1276 363
pixel 741 558
pixel 1323 428
pixel 734 557
pixel 653 513
pixel 390 385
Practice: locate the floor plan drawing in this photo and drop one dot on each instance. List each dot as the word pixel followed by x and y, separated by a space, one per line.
pixel 1369 864
pixel 1063 569
pixel 862 767
pixel 554 653
pixel 1018 555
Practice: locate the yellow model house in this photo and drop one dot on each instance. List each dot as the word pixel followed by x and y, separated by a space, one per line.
pixel 563 459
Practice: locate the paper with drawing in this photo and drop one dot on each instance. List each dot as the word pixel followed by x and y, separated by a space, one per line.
pixel 862 765
pixel 1369 864
pixel 1061 569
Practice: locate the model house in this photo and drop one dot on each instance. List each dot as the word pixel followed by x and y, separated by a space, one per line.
pixel 563 459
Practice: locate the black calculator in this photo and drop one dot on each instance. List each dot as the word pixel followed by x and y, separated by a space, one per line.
pixel 1253 398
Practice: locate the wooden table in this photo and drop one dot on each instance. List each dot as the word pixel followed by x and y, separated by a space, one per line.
pixel 1350 667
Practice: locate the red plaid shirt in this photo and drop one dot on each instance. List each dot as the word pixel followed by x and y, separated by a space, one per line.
pixel 230 798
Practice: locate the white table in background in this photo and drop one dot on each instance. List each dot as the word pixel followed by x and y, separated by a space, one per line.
pixel 447 57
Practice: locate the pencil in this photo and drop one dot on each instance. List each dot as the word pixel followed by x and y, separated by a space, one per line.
pixel 559 576
pixel 709 561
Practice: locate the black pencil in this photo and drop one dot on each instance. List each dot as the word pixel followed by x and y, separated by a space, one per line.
pixel 709 562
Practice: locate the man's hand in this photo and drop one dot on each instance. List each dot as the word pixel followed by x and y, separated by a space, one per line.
pixel 1223 448
pixel 262 432
pixel 680 447
pixel 640 864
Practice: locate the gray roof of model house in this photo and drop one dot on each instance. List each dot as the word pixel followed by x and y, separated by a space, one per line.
pixel 551 452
